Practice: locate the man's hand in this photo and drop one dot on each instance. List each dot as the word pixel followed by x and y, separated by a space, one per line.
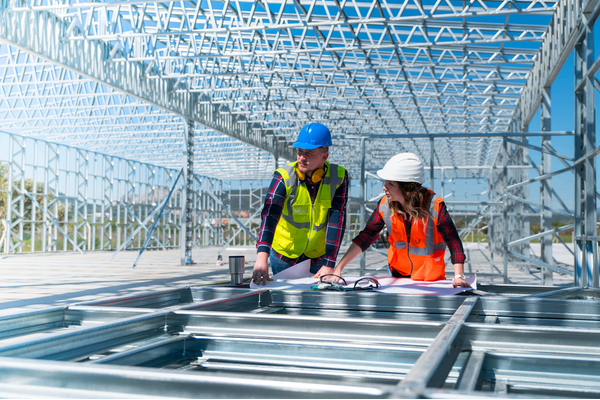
pixel 335 276
pixel 456 282
pixel 260 273
pixel 323 271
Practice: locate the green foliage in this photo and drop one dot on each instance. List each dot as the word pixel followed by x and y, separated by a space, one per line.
pixel 29 207
pixel 459 223
pixel 3 189
pixel 476 237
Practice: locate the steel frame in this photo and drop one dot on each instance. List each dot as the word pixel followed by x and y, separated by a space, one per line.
pixel 248 69
pixel 456 83
pixel 215 341
pixel 82 200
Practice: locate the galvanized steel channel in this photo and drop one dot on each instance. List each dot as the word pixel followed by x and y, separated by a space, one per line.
pixel 217 341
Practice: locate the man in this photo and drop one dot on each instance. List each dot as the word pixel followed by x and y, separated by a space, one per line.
pixel 304 216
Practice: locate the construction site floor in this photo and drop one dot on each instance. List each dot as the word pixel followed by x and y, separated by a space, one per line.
pixel 36 281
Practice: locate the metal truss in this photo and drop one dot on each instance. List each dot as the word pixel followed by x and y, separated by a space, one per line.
pixel 117 77
pixel 456 83
pixel 61 198
pixel 216 341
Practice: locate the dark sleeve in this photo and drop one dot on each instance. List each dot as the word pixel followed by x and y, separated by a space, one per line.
pixel 271 213
pixel 369 235
pixel 448 231
pixel 336 223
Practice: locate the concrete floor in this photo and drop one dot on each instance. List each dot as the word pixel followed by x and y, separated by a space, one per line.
pixel 35 281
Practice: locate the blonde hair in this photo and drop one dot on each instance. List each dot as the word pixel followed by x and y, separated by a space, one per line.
pixel 416 201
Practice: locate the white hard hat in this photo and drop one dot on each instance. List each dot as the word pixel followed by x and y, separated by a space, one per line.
pixel 403 167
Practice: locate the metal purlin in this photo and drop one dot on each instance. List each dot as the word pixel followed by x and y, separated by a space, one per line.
pixel 210 341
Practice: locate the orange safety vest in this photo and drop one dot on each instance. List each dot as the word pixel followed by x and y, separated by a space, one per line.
pixel 423 258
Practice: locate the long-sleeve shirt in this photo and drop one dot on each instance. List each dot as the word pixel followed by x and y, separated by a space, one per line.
pixel 273 207
pixel 445 227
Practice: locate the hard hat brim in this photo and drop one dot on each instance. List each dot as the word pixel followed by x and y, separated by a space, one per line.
pixel 307 146
pixel 388 177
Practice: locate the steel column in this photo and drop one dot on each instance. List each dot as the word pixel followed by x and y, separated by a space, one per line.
pixel 586 248
pixel 81 200
pixel 505 209
pixel 15 206
pixel 431 162
pixel 546 189
pixel 51 200
pixel 363 199
pixel 186 231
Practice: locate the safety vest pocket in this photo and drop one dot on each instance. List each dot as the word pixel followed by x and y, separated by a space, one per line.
pixel 301 212
pixel 400 262
pixel 434 267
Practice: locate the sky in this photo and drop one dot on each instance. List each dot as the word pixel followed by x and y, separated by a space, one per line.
pixel 563 119
pixel 563 110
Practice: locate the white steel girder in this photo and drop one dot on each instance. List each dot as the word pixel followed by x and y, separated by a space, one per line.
pixel 258 71
pixel 41 33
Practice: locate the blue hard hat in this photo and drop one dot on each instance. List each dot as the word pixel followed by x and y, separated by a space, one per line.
pixel 312 136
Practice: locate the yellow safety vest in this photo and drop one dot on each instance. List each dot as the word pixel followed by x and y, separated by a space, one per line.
pixel 301 228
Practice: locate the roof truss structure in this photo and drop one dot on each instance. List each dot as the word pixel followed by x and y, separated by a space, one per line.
pixel 122 77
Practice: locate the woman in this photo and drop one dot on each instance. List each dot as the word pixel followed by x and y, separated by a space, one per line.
pixel 418 224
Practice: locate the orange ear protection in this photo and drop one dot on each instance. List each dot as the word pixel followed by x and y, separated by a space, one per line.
pixel 317 176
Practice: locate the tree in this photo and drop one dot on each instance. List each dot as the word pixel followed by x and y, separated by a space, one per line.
pixel 27 201
pixel 3 189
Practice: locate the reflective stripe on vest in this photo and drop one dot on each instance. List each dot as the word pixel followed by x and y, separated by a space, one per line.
pixel 430 246
pixel 387 218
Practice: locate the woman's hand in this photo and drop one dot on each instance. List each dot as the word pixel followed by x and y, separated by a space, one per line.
pixel 459 277
pixel 460 282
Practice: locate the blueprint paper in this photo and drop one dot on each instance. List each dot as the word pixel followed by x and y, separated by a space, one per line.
pixel 299 279
pixel 436 288
pixel 300 270
pixel 282 279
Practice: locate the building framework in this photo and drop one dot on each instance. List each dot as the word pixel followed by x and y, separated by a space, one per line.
pixel 140 90
pixel 157 124
pixel 207 342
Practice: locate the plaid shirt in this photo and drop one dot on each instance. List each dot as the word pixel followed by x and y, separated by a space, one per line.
pixel 336 224
pixel 445 227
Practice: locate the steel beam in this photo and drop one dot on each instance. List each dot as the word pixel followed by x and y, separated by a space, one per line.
pixel 40 33
pixel 431 369
pixel 60 380
pixel 559 41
